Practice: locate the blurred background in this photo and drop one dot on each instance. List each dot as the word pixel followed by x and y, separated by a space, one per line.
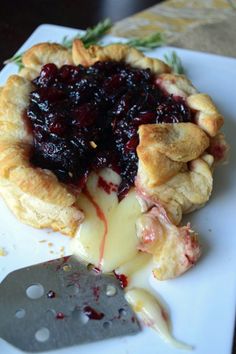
pixel 203 25
pixel 19 18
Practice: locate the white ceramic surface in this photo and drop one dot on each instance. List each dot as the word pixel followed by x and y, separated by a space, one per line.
pixel 201 302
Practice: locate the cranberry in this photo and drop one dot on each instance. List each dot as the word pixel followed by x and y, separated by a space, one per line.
pixel 122 279
pixel 43 94
pixel 144 118
pixel 86 118
pixel 60 316
pixel 132 143
pixel 112 83
pixel 92 313
pixel 122 105
pixel 51 294
pixel 57 127
pixel 47 74
pixel 69 73
pixel 85 115
pixel 173 111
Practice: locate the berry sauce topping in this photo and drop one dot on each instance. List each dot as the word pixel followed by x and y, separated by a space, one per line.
pixel 123 279
pixel 84 119
pixel 51 294
pixel 60 316
pixel 92 313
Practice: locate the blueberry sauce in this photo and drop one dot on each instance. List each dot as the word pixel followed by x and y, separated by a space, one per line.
pixel 84 119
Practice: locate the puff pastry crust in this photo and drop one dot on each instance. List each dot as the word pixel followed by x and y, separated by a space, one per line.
pixel 174 167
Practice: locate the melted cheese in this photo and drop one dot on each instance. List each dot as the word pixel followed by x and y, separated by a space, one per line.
pixel 152 315
pixel 144 300
pixel 107 237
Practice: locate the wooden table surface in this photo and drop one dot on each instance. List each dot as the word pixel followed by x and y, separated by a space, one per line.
pixel 19 19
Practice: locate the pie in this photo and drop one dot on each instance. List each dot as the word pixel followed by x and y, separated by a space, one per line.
pixel 71 115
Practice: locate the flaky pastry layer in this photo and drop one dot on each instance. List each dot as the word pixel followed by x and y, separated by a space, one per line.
pixel 174 168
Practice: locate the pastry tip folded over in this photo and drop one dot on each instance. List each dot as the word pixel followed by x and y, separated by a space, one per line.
pixel 116 52
pixel 165 148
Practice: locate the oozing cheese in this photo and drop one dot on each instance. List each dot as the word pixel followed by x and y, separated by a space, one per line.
pixel 153 315
pixel 107 237
pixel 144 299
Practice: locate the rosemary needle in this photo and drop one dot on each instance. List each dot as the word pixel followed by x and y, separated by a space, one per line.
pixel 94 34
pixel 91 36
pixel 155 40
pixel 174 61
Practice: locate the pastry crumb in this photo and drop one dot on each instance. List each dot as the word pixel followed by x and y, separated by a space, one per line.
pixel 42 241
pixel 50 244
pixel 62 251
pixel 3 253
pixel 93 144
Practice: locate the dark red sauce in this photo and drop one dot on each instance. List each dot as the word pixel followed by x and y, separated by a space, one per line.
pixel 102 217
pixel 84 119
pixel 123 279
pixel 51 294
pixel 92 313
pixel 96 293
pixel 64 260
pixel 108 187
pixel 60 316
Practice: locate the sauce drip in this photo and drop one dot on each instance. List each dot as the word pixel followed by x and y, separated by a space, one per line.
pixel 51 294
pixel 108 187
pixel 102 217
pixel 60 316
pixel 123 279
pixel 92 313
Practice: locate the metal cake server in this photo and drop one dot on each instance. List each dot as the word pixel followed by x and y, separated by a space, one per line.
pixel 62 303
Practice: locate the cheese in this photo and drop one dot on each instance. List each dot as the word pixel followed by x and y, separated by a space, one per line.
pixel 107 237
pixel 144 299
pixel 153 315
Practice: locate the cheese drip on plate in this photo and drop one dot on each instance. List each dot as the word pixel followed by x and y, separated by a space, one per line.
pixel 144 300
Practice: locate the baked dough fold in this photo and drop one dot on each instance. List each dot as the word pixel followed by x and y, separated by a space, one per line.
pixel 188 190
pixel 36 196
pixel 120 52
pixel 165 148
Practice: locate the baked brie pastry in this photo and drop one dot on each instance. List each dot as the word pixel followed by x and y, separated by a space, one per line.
pixel 71 115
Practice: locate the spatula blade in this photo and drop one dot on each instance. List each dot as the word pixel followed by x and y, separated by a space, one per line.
pixel 61 303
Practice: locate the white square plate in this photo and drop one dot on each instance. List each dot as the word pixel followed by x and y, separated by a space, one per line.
pixel 202 301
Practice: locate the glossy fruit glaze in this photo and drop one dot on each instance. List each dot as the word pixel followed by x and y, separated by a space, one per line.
pixel 86 118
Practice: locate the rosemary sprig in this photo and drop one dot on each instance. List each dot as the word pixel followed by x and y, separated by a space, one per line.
pixel 94 35
pixel 16 59
pixel 174 61
pixel 91 36
pixel 149 42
